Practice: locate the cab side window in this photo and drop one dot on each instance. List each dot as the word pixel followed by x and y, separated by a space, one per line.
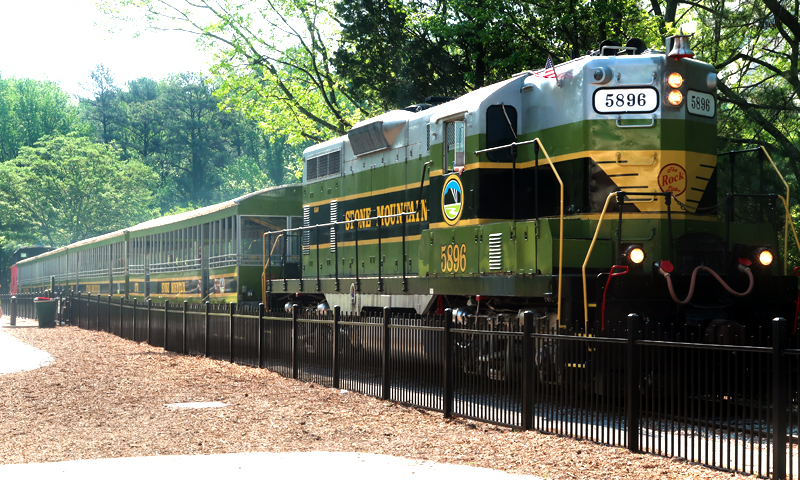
pixel 455 148
pixel 501 129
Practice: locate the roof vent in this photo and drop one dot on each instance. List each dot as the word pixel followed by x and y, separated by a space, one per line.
pixel 378 133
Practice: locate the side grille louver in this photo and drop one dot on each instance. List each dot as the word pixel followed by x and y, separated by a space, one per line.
pixel 334 217
pixel 495 251
pixel 323 165
pixel 306 233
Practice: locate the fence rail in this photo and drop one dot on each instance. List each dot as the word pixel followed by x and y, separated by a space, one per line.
pixel 725 406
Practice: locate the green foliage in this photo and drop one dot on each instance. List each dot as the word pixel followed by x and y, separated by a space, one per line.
pixel 103 109
pixel 269 162
pixel 176 127
pixel 67 188
pixel 398 52
pixel 754 46
pixel 272 59
pixel 31 109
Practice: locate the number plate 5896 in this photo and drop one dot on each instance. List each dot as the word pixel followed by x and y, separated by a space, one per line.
pixel 626 100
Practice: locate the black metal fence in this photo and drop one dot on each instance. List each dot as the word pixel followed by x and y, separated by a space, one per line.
pixel 726 406
pixel 22 305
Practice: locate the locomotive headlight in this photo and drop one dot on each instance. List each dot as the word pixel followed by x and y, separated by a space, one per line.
pixel 675 80
pixel 634 254
pixel 765 257
pixel 637 255
pixel 675 97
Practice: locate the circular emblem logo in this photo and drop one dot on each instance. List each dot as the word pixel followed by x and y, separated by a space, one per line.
pixel 672 178
pixel 452 199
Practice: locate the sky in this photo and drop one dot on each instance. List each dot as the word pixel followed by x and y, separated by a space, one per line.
pixel 63 40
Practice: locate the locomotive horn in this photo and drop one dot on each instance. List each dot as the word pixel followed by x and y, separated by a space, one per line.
pixel 680 47
pixel 638 44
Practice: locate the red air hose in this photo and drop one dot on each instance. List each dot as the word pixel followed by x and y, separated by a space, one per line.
pixel 605 290
pixel 715 275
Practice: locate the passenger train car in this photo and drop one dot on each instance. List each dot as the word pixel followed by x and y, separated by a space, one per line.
pixel 213 253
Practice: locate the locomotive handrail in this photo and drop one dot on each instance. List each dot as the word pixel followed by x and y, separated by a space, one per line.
pixel 560 228
pixel 355 221
pixel 267 260
pixel 652 122
pixel 788 216
pixel 560 214
pixel 502 147
pixel 794 231
pixel 620 199
pixel 619 76
pixel 586 262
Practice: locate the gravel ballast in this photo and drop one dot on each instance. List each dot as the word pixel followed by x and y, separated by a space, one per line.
pixel 105 397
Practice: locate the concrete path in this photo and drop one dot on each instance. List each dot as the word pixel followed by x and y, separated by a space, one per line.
pixel 16 356
pixel 295 465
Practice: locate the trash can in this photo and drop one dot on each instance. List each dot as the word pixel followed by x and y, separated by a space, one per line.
pixel 45 311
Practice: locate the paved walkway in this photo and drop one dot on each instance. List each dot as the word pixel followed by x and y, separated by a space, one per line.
pixel 296 465
pixel 16 356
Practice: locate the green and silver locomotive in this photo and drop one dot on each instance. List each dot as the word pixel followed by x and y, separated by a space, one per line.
pixel 583 192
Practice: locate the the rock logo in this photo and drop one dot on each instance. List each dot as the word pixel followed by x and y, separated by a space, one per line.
pixel 452 199
pixel 672 178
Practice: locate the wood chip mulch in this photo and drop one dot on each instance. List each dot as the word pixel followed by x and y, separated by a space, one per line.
pixel 105 397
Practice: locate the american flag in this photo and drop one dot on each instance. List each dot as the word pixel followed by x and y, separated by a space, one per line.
pixel 549 71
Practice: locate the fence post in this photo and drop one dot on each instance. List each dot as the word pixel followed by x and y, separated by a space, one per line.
pixel 149 318
pixel 166 323
pixel 185 306
pixel 108 315
pixel 295 314
pixel 13 312
pixel 386 355
pixel 205 328
pixel 135 303
pixel 779 399
pixel 632 385
pixel 97 313
pixel 447 375
pixel 527 370
pixel 121 309
pixel 78 309
pixel 230 331
pixel 337 317
pixel 260 334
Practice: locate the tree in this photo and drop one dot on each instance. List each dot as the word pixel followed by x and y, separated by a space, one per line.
pixel 67 188
pixel 143 124
pixel 263 162
pixel 756 50
pixel 272 59
pixel 103 108
pixel 196 145
pixel 400 51
pixel 31 109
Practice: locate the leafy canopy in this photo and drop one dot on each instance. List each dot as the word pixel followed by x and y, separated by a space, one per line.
pixel 272 59
pixel 67 188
